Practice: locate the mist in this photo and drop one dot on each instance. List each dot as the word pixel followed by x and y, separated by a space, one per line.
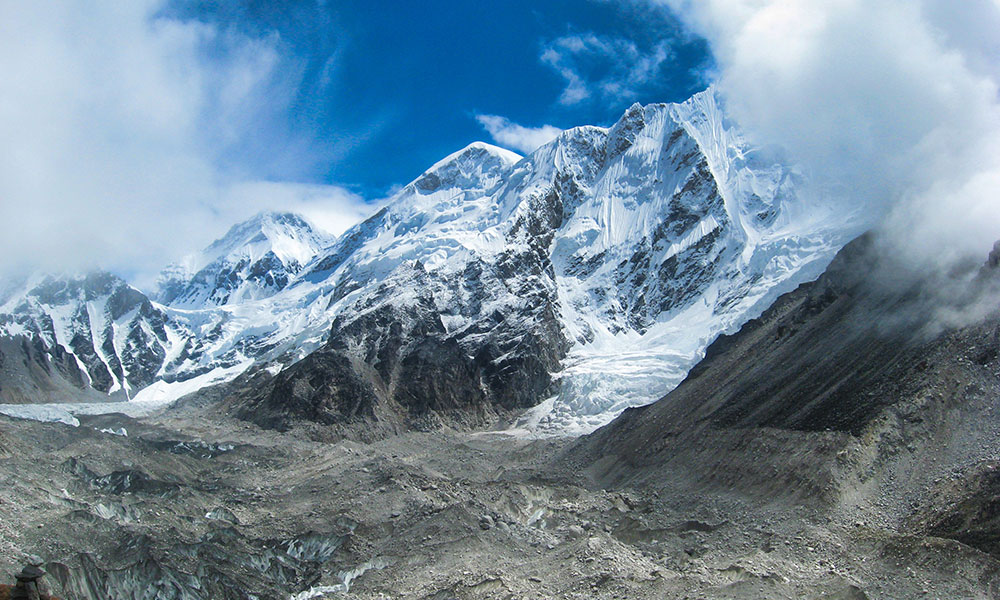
pixel 891 106
pixel 117 123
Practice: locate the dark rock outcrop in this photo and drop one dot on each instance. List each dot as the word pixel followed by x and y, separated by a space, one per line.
pixel 390 364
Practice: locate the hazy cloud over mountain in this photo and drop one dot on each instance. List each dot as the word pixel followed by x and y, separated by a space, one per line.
pixel 113 121
pixel 136 132
pixel 894 102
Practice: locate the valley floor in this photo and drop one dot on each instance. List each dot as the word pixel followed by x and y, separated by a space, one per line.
pixel 191 507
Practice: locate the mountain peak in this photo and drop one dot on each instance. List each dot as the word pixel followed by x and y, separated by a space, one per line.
pixel 610 255
pixel 269 247
pixel 271 226
pixel 479 150
pixel 478 165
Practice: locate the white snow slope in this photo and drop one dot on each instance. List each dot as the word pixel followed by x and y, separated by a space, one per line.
pixel 669 229
pixel 254 260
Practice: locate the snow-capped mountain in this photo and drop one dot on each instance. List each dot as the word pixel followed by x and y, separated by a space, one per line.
pixel 585 278
pixel 93 336
pixel 582 279
pixel 256 259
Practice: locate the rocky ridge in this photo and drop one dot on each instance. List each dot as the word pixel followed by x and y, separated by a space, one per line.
pixel 78 337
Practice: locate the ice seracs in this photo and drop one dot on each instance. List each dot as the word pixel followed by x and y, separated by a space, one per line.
pixel 687 233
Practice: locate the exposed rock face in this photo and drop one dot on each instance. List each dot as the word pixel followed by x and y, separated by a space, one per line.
pixel 994 259
pixel 391 363
pixel 68 336
pixel 966 508
pixel 94 338
pixel 30 372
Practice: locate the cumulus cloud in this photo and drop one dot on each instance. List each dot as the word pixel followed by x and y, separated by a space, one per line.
pixel 895 101
pixel 114 121
pixel 603 67
pixel 517 137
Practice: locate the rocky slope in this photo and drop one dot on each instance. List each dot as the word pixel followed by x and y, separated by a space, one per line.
pixel 843 445
pixel 76 338
pixel 870 394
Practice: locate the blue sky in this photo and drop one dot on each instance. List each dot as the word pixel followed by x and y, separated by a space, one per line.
pixel 137 132
pixel 378 91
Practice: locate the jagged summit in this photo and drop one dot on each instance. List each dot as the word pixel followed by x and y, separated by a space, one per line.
pixel 478 165
pixel 255 259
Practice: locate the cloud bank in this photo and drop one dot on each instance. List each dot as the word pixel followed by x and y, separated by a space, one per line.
pixel 895 101
pixel 115 122
pixel 517 137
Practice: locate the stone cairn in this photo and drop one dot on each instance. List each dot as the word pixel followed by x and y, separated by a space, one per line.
pixel 29 586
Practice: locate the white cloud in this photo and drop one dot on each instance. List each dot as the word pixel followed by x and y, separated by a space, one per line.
pixel 610 68
pixel 332 208
pixel 895 99
pixel 113 122
pixel 517 137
